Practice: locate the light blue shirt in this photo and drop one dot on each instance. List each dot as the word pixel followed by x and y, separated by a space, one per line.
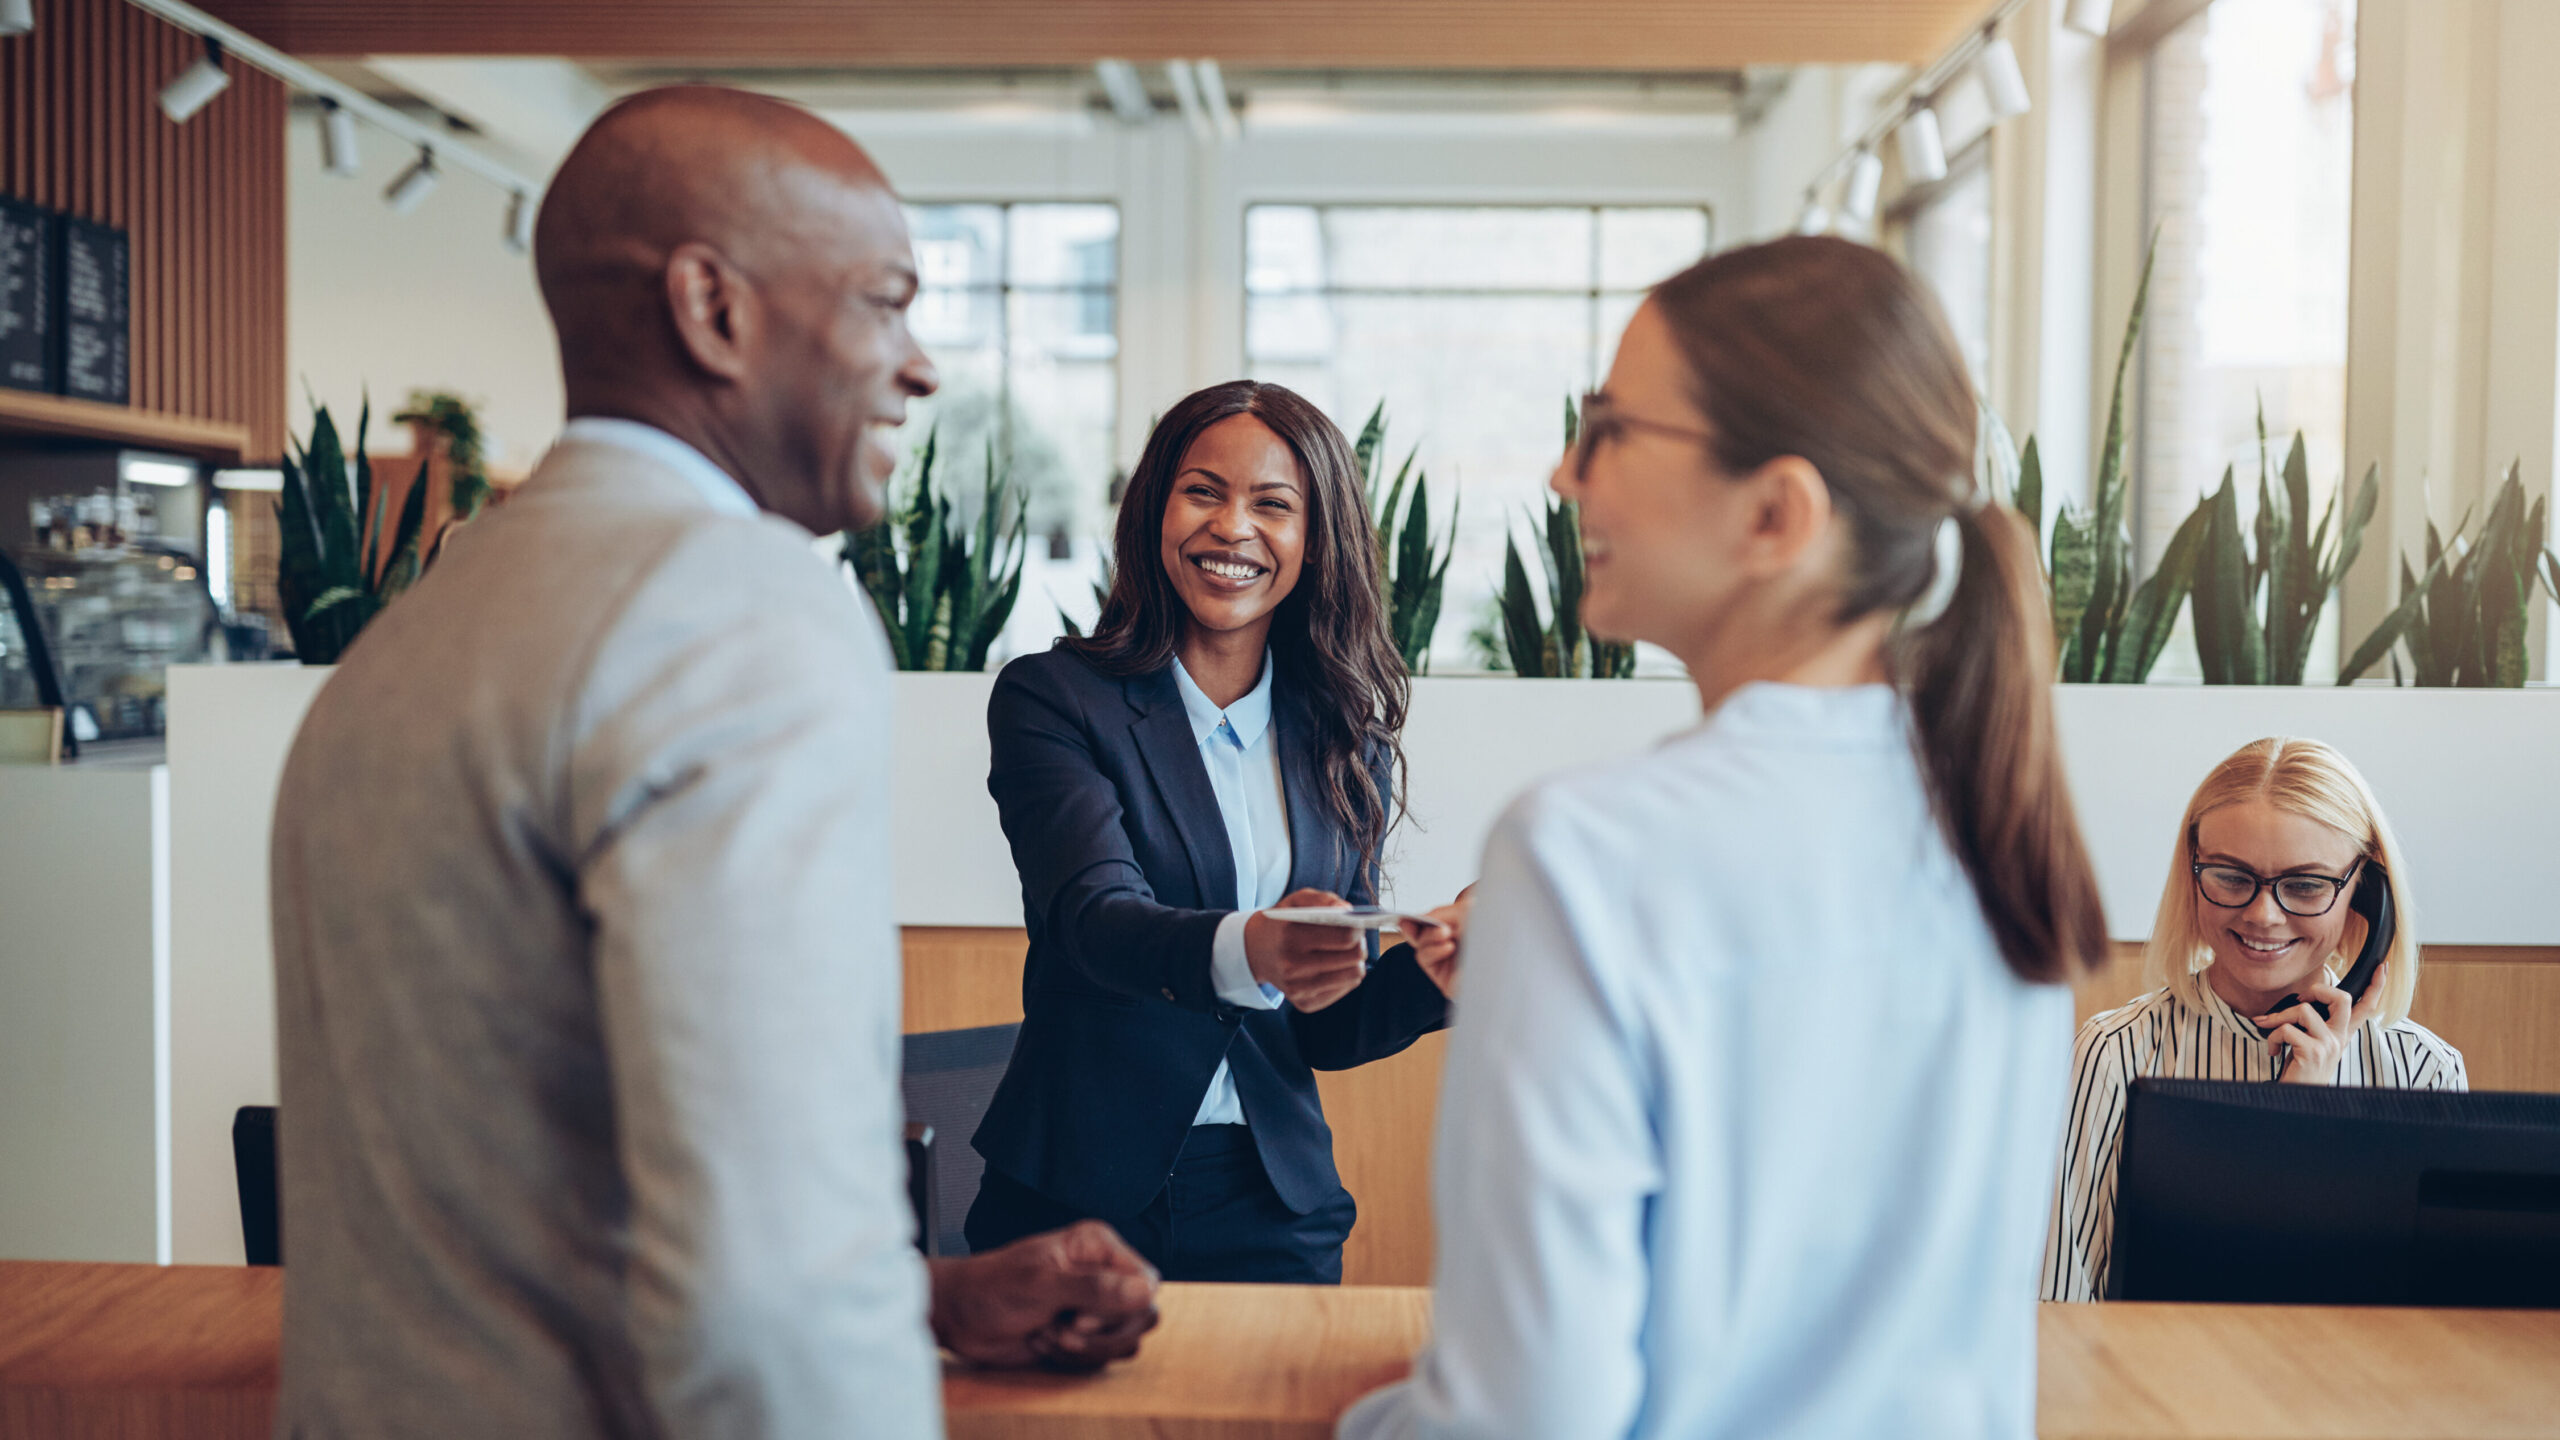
pixel 718 486
pixel 1746 1128
pixel 1243 761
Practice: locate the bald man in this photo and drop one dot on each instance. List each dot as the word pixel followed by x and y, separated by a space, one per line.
pixel 586 976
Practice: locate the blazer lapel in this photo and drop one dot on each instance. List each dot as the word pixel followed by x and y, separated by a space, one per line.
pixel 1315 860
pixel 1163 736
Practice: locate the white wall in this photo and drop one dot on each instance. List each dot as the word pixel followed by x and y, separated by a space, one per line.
pixel 84 980
pixel 389 303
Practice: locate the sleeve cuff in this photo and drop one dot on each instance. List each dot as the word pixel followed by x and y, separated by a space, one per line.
pixel 1231 974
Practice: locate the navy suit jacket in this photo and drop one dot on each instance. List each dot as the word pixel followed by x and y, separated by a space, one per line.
pixel 1126 873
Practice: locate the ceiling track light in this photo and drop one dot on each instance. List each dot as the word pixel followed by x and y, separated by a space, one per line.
pixel 2004 85
pixel 1813 219
pixel 338 152
pixel 1922 147
pixel 1214 98
pixel 1866 183
pixel 1126 92
pixel 17 17
pixel 1186 98
pixel 2090 17
pixel 196 85
pixel 520 213
pixel 406 192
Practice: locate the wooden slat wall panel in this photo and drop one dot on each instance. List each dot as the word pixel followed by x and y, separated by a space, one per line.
pixel 2499 1006
pixel 1403 34
pixel 203 202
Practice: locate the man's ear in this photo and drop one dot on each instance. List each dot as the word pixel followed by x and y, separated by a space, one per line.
pixel 1790 513
pixel 713 308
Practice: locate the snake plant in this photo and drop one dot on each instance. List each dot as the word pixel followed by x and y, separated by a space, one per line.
pixel 2108 629
pixel 944 589
pixel 2257 606
pixel 2462 620
pixel 1412 566
pixel 1559 648
pixel 337 564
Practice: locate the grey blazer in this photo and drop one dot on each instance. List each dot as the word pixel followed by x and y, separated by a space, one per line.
pixel 587 991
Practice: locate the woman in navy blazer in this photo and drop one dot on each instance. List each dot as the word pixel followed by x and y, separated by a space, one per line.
pixel 1225 739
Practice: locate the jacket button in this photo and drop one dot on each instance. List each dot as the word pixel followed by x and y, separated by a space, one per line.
pixel 1166 992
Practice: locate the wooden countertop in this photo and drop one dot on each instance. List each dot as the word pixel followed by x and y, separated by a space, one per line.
pixel 137 1350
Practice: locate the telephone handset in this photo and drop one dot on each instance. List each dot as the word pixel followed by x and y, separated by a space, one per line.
pixel 2372 900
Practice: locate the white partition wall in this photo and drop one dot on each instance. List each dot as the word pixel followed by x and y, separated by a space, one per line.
pixel 84 989
pixel 2470 778
pixel 229 729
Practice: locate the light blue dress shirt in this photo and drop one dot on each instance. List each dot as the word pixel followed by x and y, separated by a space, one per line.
pixel 1243 760
pixel 1746 1129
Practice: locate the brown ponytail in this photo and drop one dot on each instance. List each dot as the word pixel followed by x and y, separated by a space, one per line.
pixel 1831 351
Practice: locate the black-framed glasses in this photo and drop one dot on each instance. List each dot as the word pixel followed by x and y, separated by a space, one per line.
pixel 2303 896
pixel 1602 423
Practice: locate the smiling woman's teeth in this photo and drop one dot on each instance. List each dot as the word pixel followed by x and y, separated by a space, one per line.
pixel 2263 948
pixel 1231 572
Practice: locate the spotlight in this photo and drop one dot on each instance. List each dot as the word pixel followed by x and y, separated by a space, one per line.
pixel 1213 98
pixel 338 139
pixel 520 212
pixel 1813 219
pixel 1866 181
pixel 406 192
pixel 17 17
pixel 1186 97
pixel 1129 101
pixel 196 85
pixel 1924 150
pixel 2090 17
pixel 2003 83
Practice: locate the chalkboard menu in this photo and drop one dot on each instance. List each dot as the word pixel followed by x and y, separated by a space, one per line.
pixel 97 312
pixel 28 325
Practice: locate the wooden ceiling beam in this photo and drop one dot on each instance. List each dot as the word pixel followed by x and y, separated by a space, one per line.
pixel 1581 35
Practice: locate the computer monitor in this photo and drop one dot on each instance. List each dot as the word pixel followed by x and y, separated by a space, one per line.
pixel 2317 1194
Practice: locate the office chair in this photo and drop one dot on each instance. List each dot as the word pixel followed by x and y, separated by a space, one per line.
pixel 253 1160
pixel 949 1076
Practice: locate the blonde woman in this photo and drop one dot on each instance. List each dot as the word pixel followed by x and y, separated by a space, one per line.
pixel 2257 913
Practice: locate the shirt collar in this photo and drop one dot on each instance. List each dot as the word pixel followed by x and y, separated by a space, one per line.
pixel 1249 716
pixel 2219 1010
pixel 718 487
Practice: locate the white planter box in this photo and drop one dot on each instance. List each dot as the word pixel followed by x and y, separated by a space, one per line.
pixel 2471 779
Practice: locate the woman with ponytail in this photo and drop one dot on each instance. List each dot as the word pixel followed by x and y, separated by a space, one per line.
pixel 1752 1107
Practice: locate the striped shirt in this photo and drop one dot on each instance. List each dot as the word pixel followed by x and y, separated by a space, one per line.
pixel 2161 1036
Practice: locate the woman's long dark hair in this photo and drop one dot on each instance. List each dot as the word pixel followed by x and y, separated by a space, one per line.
pixel 1831 351
pixel 1329 639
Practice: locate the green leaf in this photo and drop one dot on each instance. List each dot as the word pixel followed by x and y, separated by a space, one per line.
pixel 1364 452
pixel 2071 569
pixel 2387 634
pixel 2154 611
pixel 1521 633
pixel 2229 643
pixel 2030 502
pixel 400 567
pixel 2111 551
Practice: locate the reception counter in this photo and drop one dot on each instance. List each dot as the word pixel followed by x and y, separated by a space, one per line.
pixel 139 1352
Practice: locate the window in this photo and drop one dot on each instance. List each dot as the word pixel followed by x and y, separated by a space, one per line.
pixel 1946 233
pixel 2249 134
pixel 1019 309
pixel 1474 324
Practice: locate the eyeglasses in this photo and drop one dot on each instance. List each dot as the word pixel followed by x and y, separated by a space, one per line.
pixel 2305 897
pixel 1602 424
